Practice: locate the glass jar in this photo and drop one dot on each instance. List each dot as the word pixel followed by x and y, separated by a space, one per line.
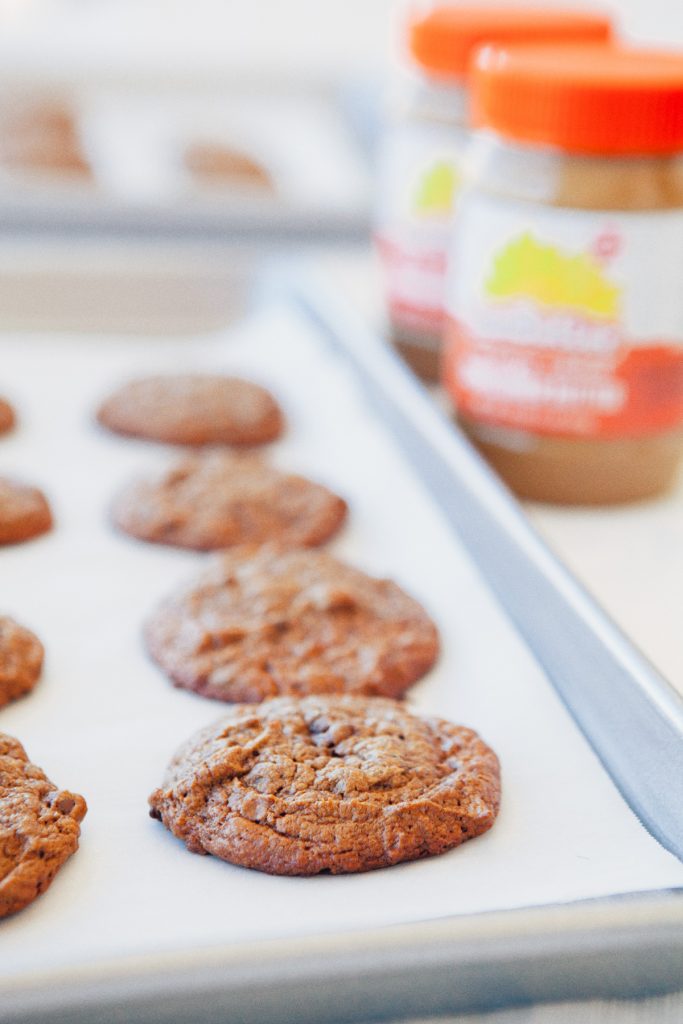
pixel 421 156
pixel 564 335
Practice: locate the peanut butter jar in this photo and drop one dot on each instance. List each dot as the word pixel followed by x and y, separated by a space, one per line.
pixel 563 347
pixel 421 154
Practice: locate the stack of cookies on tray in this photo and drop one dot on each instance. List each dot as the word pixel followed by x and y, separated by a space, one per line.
pixel 317 765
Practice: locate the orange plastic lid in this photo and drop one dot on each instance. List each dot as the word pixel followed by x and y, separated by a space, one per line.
pixel 443 40
pixel 584 99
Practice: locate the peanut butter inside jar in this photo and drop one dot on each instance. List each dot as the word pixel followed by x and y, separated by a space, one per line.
pixel 423 145
pixel 564 337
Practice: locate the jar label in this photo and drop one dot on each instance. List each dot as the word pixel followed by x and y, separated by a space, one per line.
pixel 566 322
pixel 417 183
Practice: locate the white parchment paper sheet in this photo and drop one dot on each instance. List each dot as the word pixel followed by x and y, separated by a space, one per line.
pixel 104 721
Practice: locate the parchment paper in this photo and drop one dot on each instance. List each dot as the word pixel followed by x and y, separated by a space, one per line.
pixel 104 721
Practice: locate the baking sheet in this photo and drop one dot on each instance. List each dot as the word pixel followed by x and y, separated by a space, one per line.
pixel 104 721
pixel 135 141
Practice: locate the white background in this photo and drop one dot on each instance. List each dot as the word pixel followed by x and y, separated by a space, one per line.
pixel 261 40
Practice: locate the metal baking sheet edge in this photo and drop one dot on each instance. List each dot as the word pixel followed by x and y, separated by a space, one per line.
pixel 622 947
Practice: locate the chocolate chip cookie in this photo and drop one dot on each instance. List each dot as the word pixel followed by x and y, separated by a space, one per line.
pixel 39 827
pixel 334 784
pixel 7 417
pixel 195 409
pixel 24 512
pixel 262 622
pixel 21 660
pixel 218 499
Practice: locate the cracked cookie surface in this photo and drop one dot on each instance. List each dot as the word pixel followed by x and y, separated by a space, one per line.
pixel 24 512
pixel 333 784
pixel 39 827
pixel 263 622
pixel 21 660
pixel 193 409
pixel 218 499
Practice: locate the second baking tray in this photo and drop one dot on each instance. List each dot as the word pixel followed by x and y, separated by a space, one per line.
pixel 137 926
pixel 138 187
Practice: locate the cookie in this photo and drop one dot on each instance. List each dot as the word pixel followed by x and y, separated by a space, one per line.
pixel 213 163
pixel 21 660
pixel 24 512
pixel 193 410
pixel 7 417
pixel 42 138
pixel 334 784
pixel 264 622
pixel 39 827
pixel 218 499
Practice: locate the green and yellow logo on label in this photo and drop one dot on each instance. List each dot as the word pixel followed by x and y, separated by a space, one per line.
pixel 436 190
pixel 529 269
